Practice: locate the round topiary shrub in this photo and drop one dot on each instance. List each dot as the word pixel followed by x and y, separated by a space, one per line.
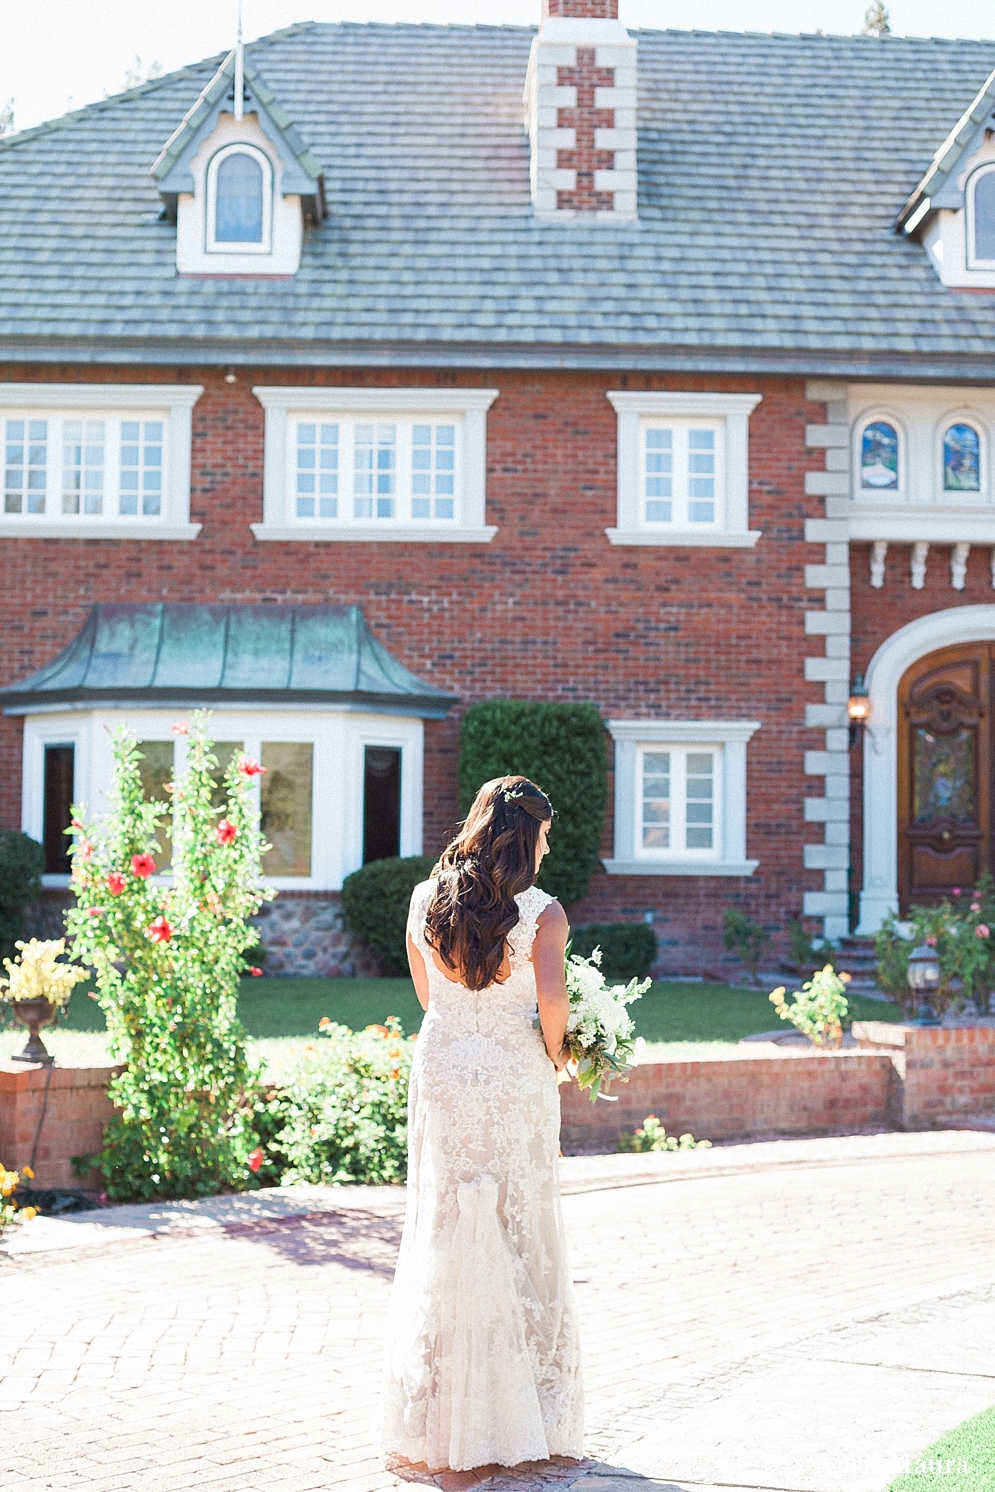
pixel 22 861
pixel 628 949
pixel 375 902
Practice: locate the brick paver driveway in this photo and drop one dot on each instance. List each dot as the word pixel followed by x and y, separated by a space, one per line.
pixel 794 1315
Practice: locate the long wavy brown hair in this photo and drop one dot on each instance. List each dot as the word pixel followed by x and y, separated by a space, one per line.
pixel 490 862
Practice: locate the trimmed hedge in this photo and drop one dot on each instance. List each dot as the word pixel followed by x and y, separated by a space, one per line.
pixel 628 949
pixel 561 748
pixel 22 861
pixel 375 902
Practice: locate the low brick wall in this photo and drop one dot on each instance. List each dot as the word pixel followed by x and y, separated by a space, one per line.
pixel 76 1108
pixel 943 1072
pixel 795 1092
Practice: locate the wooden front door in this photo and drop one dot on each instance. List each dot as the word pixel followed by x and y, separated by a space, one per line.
pixel 945 769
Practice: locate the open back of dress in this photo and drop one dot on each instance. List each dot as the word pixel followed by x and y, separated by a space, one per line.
pixel 483 1358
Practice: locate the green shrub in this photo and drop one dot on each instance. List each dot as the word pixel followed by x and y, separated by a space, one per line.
pixel 651 1138
pixel 561 748
pixel 22 861
pixel 628 949
pixel 375 902
pixel 961 931
pixel 745 938
pixel 343 1115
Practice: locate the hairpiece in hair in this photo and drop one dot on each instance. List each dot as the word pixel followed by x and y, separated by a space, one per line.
pixel 508 796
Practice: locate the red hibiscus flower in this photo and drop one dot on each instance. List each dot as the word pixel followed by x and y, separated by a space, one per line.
pixel 255 1159
pixel 143 865
pixel 225 831
pixel 182 729
pixel 249 767
pixel 116 882
pixel 160 931
pixel 256 973
pixel 94 911
pixel 85 850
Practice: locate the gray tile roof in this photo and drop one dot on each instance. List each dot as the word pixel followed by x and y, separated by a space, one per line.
pixel 182 653
pixel 771 173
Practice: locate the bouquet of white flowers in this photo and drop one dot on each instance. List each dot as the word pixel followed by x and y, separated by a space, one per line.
pixel 600 1031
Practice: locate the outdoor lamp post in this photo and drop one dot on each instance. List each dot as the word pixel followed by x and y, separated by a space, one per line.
pixel 924 977
pixel 858 709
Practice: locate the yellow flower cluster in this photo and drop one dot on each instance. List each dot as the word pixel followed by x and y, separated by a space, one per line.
pixel 36 973
pixel 9 1211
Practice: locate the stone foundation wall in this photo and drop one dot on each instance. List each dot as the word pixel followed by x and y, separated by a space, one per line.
pixel 303 934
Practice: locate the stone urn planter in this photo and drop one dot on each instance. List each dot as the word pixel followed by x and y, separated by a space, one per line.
pixel 34 1014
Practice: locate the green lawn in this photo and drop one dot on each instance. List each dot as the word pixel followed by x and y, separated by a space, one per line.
pixel 682 1020
pixel 972 1444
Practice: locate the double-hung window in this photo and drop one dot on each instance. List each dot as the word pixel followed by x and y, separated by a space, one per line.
pixel 375 464
pixel 683 469
pixel 99 461
pixel 680 797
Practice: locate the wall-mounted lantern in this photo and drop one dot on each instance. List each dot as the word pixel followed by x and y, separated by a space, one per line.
pixel 924 978
pixel 858 709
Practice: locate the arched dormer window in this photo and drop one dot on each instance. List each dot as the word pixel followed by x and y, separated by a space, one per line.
pixel 981 218
pixel 878 455
pixel 239 201
pixel 962 455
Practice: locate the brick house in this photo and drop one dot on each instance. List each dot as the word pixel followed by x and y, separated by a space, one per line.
pixel 433 363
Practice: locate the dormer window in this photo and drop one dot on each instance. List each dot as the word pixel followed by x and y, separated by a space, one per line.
pixel 981 219
pixel 239 201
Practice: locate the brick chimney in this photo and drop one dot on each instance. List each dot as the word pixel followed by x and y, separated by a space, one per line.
pixel 580 113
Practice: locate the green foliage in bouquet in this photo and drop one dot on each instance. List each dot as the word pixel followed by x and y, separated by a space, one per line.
pixel 343 1114
pixel 601 1035
pixel 628 949
pixel 745 938
pixel 22 861
pixel 651 1137
pixel 559 747
pixel 819 1008
pixel 168 957
pixel 375 902
pixel 962 931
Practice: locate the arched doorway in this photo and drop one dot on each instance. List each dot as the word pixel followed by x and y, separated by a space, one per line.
pixel 945 772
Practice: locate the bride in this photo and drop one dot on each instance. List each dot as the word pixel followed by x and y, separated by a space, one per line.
pixel 483 1359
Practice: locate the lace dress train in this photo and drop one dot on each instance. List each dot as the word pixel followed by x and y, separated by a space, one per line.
pixel 483 1359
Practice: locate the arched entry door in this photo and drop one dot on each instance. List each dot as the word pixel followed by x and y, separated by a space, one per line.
pixel 945 770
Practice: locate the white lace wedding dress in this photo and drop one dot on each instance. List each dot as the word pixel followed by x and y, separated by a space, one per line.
pixel 483 1358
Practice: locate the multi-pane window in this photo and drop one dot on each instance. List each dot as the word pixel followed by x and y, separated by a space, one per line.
pixel 433 471
pixel 84 467
pixel 26 466
pixel 677 804
pixel 680 474
pixel 286 806
pixel 317 483
pixel 396 472
pixel 141 467
pixel 374 471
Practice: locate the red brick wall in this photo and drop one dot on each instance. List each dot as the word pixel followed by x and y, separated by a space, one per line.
pixel 878 612
pixel 548 610
pixel 944 1073
pixel 76 1108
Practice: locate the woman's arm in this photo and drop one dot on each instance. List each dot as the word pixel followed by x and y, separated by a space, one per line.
pixel 548 952
pixel 418 973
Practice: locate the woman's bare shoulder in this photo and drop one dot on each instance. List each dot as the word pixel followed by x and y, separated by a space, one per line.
pixel 552 915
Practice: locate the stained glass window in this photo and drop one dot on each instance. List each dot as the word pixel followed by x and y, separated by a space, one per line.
pixel 984 216
pixel 879 456
pixel 961 459
pixel 238 203
pixel 943 768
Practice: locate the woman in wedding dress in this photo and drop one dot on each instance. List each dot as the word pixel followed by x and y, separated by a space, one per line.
pixel 483 1358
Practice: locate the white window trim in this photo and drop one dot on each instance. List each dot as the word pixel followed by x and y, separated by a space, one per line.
pixel 173 401
pixel 973 262
pixel 279 520
pixel 339 738
pixel 733 411
pixel 212 245
pixel 731 737
pixel 883 496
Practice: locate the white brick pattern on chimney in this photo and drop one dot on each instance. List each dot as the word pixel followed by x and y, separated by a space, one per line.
pixel 554 47
pixel 831 668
